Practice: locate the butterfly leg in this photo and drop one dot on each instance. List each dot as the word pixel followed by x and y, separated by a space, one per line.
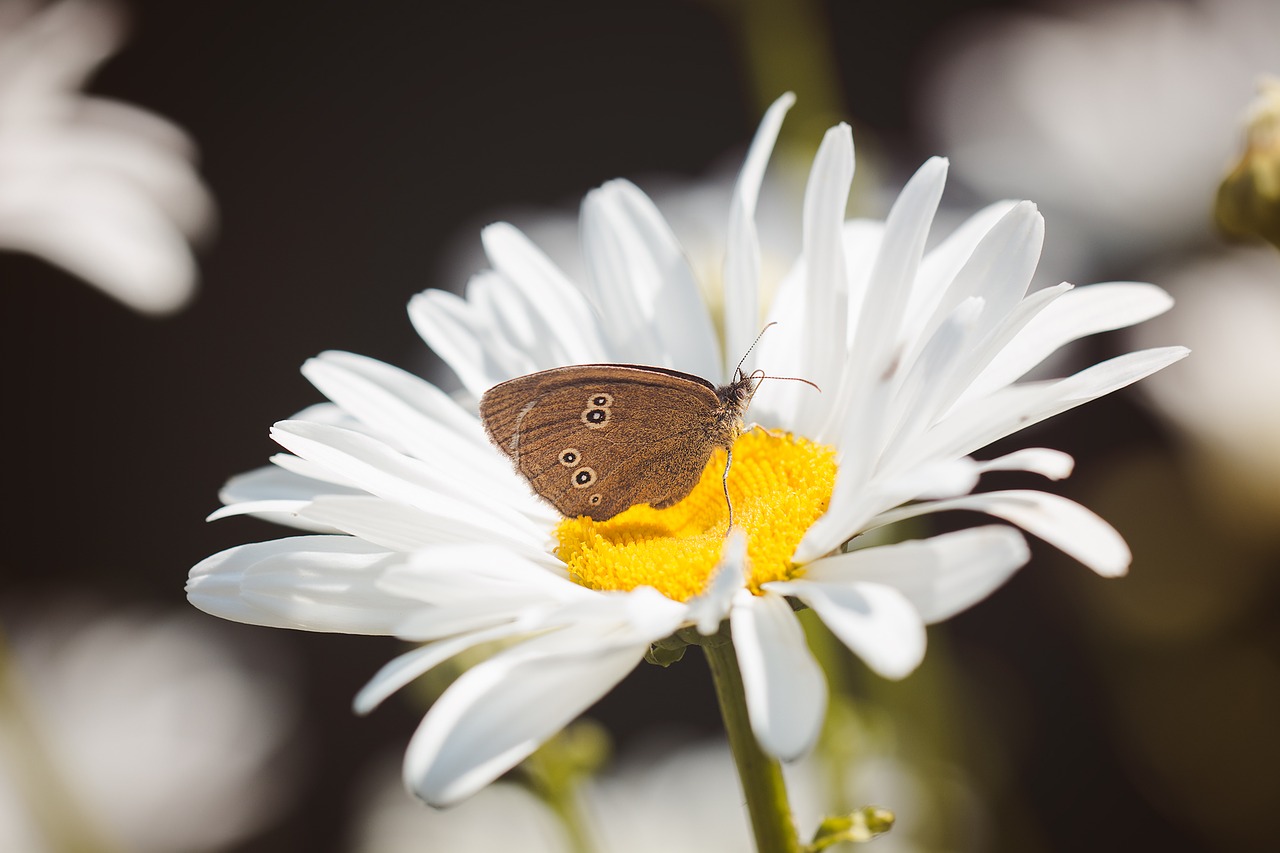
pixel 772 433
pixel 728 460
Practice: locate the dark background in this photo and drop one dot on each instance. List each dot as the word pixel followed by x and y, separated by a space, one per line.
pixel 346 144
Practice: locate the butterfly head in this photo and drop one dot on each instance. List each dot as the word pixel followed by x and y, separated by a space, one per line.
pixel 736 397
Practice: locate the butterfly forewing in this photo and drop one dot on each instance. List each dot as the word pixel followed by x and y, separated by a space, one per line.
pixel 597 439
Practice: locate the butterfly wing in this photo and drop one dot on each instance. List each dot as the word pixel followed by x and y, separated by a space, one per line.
pixel 597 439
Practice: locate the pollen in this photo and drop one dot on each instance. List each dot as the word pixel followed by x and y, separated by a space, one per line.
pixel 779 485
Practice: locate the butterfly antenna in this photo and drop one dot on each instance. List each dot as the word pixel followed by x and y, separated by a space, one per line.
pixel 738 370
pixel 760 376
pixel 812 385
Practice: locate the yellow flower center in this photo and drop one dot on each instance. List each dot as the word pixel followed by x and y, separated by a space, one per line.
pixel 779 486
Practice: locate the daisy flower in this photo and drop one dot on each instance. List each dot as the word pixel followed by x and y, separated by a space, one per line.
pixel 421 529
pixel 101 188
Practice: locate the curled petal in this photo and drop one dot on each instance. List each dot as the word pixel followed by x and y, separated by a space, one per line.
pixel 500 711
pixel 940 576
pixel 875 621
pixel 785 690
pixel 1063 523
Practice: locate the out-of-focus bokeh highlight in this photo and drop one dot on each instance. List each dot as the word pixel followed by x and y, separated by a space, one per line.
pixel 100 187
pixel 113 723
pixel 1117 117
pixel 355 154
pixel 669 794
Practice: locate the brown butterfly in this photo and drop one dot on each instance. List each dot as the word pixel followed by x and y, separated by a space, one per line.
pixel 596 439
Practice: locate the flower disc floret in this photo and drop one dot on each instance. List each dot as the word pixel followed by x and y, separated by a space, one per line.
pixel 779 485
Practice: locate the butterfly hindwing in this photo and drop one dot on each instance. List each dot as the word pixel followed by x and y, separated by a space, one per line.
pixel 596 439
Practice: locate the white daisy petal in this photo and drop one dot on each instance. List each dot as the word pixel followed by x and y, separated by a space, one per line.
pixel 876 355
pixel 708 610
pixel 1052 464
pixel 999 268
pixel 943 262
pixel 1084 311
pixel 1062 523
pixel 405 428
pixel 775 403
pixel 271 483
pixel 561 306
pixel 442 319
pixel 447 574
pixel 983 352
pixel 279 512
pixel 636 265
pixel 940 576
pixel 851 508
pixel 402 670
pixel 498 712
pixel 403 528
pixel 429 624
pixel 523 322
pixel 924 388
pixel 396 477
pixel 463 588
pixel 742 253
pixel 979 423
pixel 512 328
pixel 378 393
pixel 875 621
pixel 308 473
pixel 897 262
pixel 313 583
pixel 826 302
pixel 424 424
pixel 685 327
pixel 785 690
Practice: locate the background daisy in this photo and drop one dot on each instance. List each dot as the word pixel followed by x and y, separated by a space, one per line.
pixel 104 189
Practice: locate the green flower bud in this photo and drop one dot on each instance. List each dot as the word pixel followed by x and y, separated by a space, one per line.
pixel 1248 202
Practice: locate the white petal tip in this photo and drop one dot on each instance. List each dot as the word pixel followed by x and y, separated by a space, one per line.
pixel 1112 570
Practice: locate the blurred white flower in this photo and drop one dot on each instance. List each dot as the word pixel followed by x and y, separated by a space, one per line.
pixel 101 188
pixel 1123 115
pixel 139 730
pixel 502 818
pixel 1226 400
pixel 678 798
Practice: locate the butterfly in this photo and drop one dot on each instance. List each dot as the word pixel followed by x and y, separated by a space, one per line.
pixel 596 439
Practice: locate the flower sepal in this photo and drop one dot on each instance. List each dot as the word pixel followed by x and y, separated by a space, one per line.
pixel 1248 203
pixel 857 826
pixel 671 649
pixel 666 652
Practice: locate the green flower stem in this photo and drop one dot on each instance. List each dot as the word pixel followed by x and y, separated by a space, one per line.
pixel 556 771
pixel 571 818
pixel 760 775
